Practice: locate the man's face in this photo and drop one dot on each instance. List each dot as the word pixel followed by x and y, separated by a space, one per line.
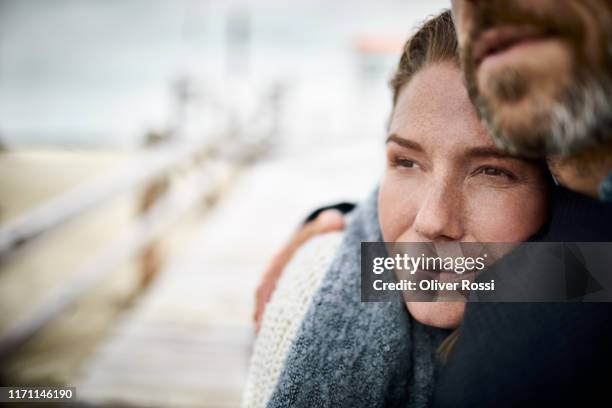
pixel 539 72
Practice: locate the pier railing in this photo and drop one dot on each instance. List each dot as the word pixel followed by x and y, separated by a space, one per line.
pixel 207 167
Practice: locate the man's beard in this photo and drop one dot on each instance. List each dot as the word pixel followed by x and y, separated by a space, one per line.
pixel 578 116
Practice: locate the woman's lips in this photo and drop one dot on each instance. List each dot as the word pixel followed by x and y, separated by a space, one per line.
pixel 496 41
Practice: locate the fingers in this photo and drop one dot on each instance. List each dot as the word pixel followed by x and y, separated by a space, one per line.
pixel 263 294
pixel 329 220
pixel 268 284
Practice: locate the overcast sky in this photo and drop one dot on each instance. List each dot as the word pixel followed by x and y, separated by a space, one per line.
pixel 99 73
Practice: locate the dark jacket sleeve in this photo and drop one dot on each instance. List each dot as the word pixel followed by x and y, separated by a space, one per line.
pixel 517 354
pixel 343 207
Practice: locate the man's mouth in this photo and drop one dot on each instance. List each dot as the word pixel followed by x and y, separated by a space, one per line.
pixel 496 41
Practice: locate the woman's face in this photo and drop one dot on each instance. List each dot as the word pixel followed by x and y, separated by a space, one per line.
pixel 446 181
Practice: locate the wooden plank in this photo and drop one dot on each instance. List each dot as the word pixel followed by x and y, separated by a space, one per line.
pixel 148 165
pixel 158 357
pixel 162 215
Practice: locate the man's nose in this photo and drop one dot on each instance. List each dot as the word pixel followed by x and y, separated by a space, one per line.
pixel 440 217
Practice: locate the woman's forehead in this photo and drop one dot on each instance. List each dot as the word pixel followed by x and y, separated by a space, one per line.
pixel 434 108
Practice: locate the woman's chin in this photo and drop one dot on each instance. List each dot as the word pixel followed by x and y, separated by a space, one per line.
pixel 445 315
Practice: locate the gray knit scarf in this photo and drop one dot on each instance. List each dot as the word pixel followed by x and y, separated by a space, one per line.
pixel 353 354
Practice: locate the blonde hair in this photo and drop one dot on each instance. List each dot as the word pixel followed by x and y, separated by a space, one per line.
pixel 434 42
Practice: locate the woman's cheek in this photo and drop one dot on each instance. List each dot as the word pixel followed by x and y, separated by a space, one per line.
pixel 504 214
pixel 396 205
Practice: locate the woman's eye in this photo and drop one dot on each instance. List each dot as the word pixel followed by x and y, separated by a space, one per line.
pixel 495 172
pixel 403 162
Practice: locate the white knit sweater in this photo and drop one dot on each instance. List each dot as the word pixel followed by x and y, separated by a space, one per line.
pixel 284 314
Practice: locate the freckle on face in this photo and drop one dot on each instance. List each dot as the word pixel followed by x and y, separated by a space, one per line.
pixel 434 110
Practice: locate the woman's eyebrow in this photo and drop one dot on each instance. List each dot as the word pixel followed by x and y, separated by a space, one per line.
pixel 405 143
pixel 492 152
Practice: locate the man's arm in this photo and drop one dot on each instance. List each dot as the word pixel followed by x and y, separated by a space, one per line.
pixel 320 221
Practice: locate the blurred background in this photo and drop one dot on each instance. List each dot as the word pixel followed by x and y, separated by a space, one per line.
pixel 153 157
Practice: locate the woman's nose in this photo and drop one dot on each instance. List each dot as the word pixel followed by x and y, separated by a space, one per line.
pixel 440 215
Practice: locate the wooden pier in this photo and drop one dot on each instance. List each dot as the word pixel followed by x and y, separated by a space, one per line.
pixel 186 343
pixel 185 340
